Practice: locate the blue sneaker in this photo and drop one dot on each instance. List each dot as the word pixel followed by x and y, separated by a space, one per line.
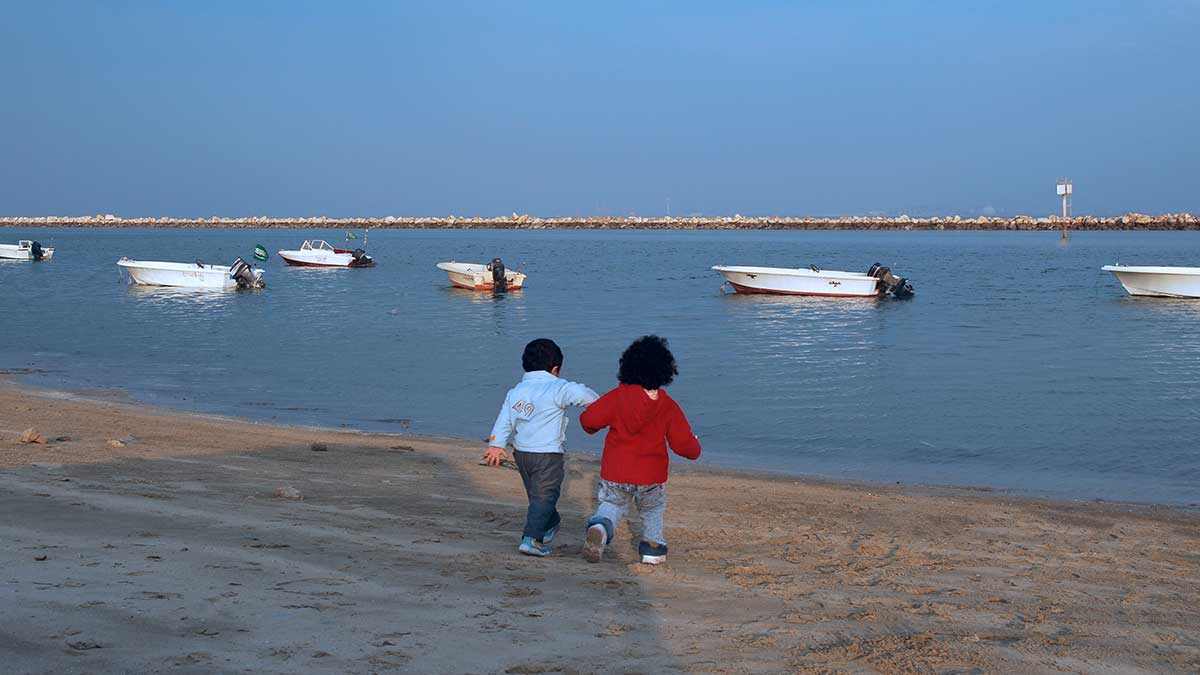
pixel 652 554
pixel 530 547
pixel 550 534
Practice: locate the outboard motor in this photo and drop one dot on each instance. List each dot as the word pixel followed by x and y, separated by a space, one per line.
pixel 898 287
pixel 35 251
pixel 499 281
pixel 243 274
pixel 361 259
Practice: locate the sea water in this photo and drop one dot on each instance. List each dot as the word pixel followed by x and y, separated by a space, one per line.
pixel 1018 365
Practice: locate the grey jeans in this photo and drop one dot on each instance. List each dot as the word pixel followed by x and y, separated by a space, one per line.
pixel 542 474
pixel 616 499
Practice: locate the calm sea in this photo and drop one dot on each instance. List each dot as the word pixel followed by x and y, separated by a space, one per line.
pixel 1019 365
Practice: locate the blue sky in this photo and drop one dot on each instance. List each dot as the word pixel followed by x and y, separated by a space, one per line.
pixel 486 108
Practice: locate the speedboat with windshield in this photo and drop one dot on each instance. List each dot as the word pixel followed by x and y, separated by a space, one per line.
pixel 320 253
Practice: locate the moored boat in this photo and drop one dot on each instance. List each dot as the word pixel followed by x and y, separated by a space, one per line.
pixel 477 277
pixel 319 253
pixel 875 282
pixel 1162 282
pixel 239 275
pixel 25 250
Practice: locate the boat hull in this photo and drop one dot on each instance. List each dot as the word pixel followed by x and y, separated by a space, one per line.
pixel 784 281
pixel 1158 282
pixel 180 275
pixel 477 277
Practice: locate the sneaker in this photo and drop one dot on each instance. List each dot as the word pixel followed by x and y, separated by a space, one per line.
pixel 593 545
pixel 652 554
pixel 530 547
pixel 550 534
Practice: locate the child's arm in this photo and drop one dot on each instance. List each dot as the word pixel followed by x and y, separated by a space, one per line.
pixel 575 394
pixel 597 415
pixel 502 432
pixel 679 435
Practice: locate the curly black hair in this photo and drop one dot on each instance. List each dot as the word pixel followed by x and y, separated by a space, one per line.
pixel 648 362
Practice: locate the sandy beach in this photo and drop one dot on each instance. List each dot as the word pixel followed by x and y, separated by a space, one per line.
pixel 144 540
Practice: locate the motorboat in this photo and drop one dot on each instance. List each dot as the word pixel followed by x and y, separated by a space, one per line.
pixel 239 275
pixel 25 250
pixel 489 277
pixel 319 253
pixel 1163 282
pixel 877 281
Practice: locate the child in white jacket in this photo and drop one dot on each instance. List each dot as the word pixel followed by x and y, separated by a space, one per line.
pixel 533 419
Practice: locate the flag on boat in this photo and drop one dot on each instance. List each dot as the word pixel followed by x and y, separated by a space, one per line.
pixel 260 253
pixel 350 235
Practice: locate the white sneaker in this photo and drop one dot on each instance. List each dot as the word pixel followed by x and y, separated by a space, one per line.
pixel 652 554
pixel 593 545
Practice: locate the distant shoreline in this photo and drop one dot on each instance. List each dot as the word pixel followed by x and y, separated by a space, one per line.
pixel 1129 221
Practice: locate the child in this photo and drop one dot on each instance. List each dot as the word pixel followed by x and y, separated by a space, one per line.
pixel 641 420
pixel 533 418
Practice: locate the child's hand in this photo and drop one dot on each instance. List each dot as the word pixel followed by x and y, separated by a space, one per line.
pixel 494 456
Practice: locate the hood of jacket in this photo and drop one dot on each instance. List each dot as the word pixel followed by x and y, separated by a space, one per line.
pixel 636 409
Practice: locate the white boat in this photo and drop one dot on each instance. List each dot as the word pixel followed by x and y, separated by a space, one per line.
pixel 192 275
pixel 482 277
pixel 319 253
pixel 877 281
pixel 1164 282
pixel 25 250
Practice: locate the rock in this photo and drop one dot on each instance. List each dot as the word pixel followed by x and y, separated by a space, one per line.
pixel 289 492
pixel 115 444
pixel 318 447
pixel 31 435
pixel 988 220
pixel 63 439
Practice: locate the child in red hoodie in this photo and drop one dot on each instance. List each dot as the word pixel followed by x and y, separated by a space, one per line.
pixel 641 419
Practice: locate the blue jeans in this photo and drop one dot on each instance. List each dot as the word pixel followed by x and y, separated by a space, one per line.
pixel 616 499
pixel 542 474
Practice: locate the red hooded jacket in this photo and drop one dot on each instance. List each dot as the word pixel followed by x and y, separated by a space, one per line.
pixel 639 428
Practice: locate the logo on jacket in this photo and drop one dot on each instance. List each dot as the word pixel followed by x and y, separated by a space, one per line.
pixel 524 408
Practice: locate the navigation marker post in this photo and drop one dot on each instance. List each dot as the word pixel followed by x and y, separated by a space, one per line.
pixel 1064 190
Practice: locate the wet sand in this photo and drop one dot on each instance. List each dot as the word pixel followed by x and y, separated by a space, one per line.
pixel 170 552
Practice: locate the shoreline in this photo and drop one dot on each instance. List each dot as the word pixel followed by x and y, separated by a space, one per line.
pixel 12 380
pixel 1126 222
pixel 175 534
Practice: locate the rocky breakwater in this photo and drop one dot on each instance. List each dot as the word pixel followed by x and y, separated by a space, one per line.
pixel 1129 221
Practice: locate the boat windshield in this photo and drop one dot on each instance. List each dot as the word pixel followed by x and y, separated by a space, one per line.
pixel 316 245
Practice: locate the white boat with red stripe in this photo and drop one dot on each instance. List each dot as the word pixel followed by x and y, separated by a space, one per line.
pixel 320 253
pixel 875 282
pixel 478 277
